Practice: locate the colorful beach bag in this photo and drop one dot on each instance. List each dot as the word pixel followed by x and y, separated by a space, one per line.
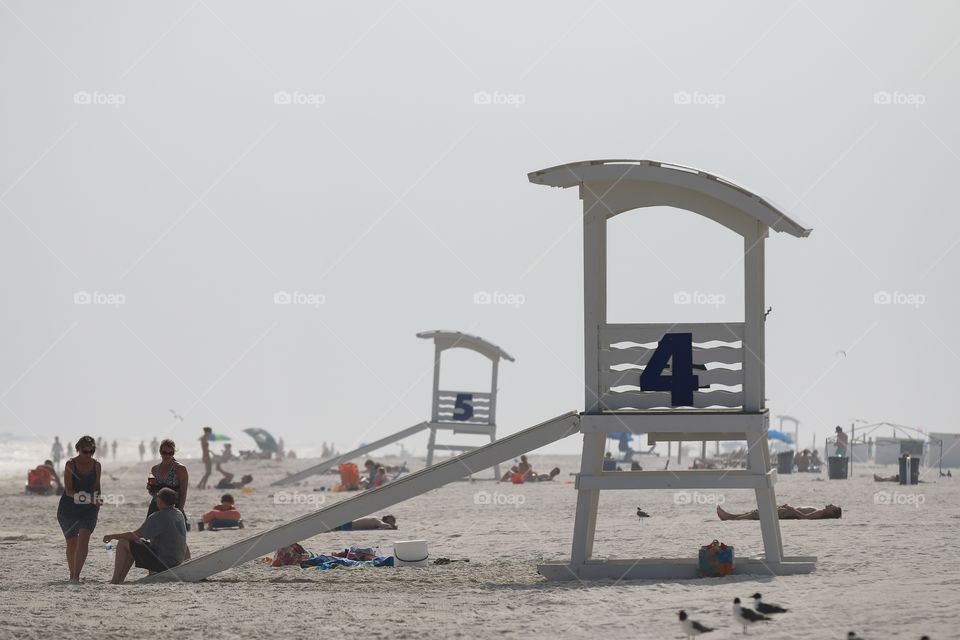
pixel 715 560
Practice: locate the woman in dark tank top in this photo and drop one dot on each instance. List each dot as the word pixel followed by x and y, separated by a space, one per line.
pixel 80 504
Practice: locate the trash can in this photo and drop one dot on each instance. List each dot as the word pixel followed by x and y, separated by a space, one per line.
pixel 909 470
pixel 839 466
pixel 785 462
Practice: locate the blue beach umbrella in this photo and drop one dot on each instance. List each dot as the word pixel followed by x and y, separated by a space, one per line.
pixel 773 434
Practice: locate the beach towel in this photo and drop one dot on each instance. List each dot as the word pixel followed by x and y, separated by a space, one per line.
pixel 324 563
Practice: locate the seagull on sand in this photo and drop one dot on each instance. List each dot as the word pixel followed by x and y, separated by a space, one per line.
pixel 690 627
pixel 643 514
pixel 764 608
pixel 746 616
pixel 853 636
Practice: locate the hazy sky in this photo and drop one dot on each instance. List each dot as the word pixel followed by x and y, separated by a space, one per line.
pixel 147 159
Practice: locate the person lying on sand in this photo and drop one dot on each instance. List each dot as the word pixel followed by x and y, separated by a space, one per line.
pixel 546 477
pixel 362 524
pixel 787 512
pixel 226 482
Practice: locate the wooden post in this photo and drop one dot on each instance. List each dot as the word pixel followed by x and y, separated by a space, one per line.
pixel 594 294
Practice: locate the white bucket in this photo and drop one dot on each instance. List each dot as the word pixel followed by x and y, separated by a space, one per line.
pixel 410 553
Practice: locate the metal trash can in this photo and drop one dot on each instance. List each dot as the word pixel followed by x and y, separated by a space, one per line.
pixel 839 467
pixel 911 475
pixel 785 462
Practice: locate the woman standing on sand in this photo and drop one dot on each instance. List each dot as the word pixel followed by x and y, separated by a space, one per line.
pixel 79 504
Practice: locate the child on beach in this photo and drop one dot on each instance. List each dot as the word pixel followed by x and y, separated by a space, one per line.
pixel 223 511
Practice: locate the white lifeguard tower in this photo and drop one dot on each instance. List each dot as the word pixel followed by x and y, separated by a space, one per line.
pixel 457 412
pixel 665 379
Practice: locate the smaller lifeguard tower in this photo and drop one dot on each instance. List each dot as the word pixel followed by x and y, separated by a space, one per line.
pixel 463 412
pixel 673 381
pixel 458 412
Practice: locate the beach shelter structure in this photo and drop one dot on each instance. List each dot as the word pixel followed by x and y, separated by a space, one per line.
pixel 682 406
pixel 673 381
pixel 456 412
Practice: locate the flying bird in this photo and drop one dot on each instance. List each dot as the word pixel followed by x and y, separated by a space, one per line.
pixel 643 514
pixel 692 628
pixel 176 416
pixel 841 352
pixel 746 616
pixel 763 607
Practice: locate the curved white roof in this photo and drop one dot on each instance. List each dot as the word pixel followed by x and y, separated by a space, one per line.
pixel 458 339
pixel 677 176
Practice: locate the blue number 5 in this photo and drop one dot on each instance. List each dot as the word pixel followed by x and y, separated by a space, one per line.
pixel 463 407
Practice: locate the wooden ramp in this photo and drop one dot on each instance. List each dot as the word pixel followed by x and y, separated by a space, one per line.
pixel 330 463
pixel 368 502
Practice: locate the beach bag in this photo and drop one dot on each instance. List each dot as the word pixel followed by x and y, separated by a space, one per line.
pixel 715 560
pixel 290 555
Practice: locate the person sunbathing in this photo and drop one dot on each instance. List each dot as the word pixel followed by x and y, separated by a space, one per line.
pixel 787 512
pixel 226 482
pixel 546 477
pixel 524 468
pixel 223 511
pixel 362 524
pixel 44 480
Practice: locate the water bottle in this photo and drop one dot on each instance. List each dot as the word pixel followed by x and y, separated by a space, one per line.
pixel 110 549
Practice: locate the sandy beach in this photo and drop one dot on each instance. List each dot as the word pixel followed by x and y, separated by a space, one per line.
pixel 888 569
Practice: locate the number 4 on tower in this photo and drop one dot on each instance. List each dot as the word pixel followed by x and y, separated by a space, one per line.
pixel 677 350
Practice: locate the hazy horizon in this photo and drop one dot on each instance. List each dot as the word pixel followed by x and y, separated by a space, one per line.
pixel 183 164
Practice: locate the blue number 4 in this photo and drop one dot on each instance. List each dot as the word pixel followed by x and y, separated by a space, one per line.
pixel 677 350
pixel 463 407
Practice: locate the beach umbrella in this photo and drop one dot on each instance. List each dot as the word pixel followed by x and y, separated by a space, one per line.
pixel 623 438
pixel 217 437
pixel 264 440
pixel 773 434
